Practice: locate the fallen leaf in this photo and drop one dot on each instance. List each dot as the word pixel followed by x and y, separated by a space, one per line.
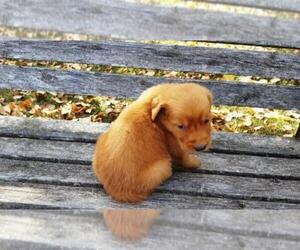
pixel 66 109
pixel 26 104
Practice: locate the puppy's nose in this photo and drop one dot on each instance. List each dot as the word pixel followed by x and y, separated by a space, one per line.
pixel 200 147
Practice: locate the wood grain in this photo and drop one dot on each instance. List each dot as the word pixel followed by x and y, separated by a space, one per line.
pixel 88 83
pixel 185 228
pixel 222 164
pixel 178 58
pixel 31 196
pixel 195 184
pixel 88 132
pixel 131 20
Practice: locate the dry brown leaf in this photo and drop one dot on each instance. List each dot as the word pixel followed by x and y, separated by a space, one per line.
pixel 26 104
pixel 36 110
pixel 2 111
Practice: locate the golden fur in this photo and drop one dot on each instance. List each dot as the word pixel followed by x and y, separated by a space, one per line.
pixel 167 122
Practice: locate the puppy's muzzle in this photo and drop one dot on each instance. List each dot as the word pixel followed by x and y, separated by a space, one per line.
pixel 200 147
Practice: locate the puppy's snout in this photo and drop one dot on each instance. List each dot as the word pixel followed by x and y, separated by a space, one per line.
pixel 200 147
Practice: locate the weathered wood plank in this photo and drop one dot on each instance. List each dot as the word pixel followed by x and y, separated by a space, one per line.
pixel 260 145
pixel 280 223
pixel 157 229
pixel 41 128
pixel 286 5
pixel 210 185
pixel 7 38
pixel 25 195
pixel 223 164
pixel 180 58
pixel 88 132
pixel 234 187
pixel 88 83
pixel 130 20
pixel 20 244
pixel 43 150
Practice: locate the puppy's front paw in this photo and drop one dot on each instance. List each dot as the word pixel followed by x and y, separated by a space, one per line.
pixel 191 161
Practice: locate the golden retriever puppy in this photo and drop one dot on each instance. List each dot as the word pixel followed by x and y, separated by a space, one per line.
pixel 167 122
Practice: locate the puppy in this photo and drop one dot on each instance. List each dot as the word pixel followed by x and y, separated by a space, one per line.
pixel 167 122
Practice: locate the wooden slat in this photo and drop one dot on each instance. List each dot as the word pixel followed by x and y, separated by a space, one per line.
pixel 30 195
pixel 121 19
pixel 227 186
pixel 7 38
pixel 234 187
pixel 88 83
pixel 273 222
pixel 179 58
pixel 284 5
pixel 261 145
pixel 169 229
pixel 41 128
pixel 224 164
pixel 19 244
pixel 88 132
pixel 26 195
pixel 59 151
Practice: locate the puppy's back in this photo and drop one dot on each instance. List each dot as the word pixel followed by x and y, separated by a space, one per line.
pixel 131 144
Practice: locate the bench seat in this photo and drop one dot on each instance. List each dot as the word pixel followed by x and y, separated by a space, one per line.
pixel 47 164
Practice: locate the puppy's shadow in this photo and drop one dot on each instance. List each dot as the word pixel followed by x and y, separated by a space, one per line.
pixel 130 224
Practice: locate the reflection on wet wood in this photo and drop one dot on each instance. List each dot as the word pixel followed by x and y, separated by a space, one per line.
pixel 150 229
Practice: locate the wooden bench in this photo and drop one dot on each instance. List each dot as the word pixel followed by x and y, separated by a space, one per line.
pixel 46 164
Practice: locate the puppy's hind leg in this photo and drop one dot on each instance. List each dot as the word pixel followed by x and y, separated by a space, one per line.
pixel 155 174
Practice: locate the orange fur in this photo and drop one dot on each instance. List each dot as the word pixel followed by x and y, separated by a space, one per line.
pixel 134 156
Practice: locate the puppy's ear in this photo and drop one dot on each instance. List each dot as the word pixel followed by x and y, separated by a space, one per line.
pixel 156 108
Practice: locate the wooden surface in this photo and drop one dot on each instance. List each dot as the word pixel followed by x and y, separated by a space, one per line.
pixel 88 132
pixel 47 164
pixel 56 172
pixel 130 20
pixel 178 58
pixel 193 184
pixel 245 165
pixel 88 83
pixel 149 229
pixel 283 5
pixel 18 195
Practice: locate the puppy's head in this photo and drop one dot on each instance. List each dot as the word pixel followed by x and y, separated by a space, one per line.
pixel 184 110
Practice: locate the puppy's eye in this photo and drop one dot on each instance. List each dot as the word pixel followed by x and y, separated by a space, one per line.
pixel 206 121
pixel 181 126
